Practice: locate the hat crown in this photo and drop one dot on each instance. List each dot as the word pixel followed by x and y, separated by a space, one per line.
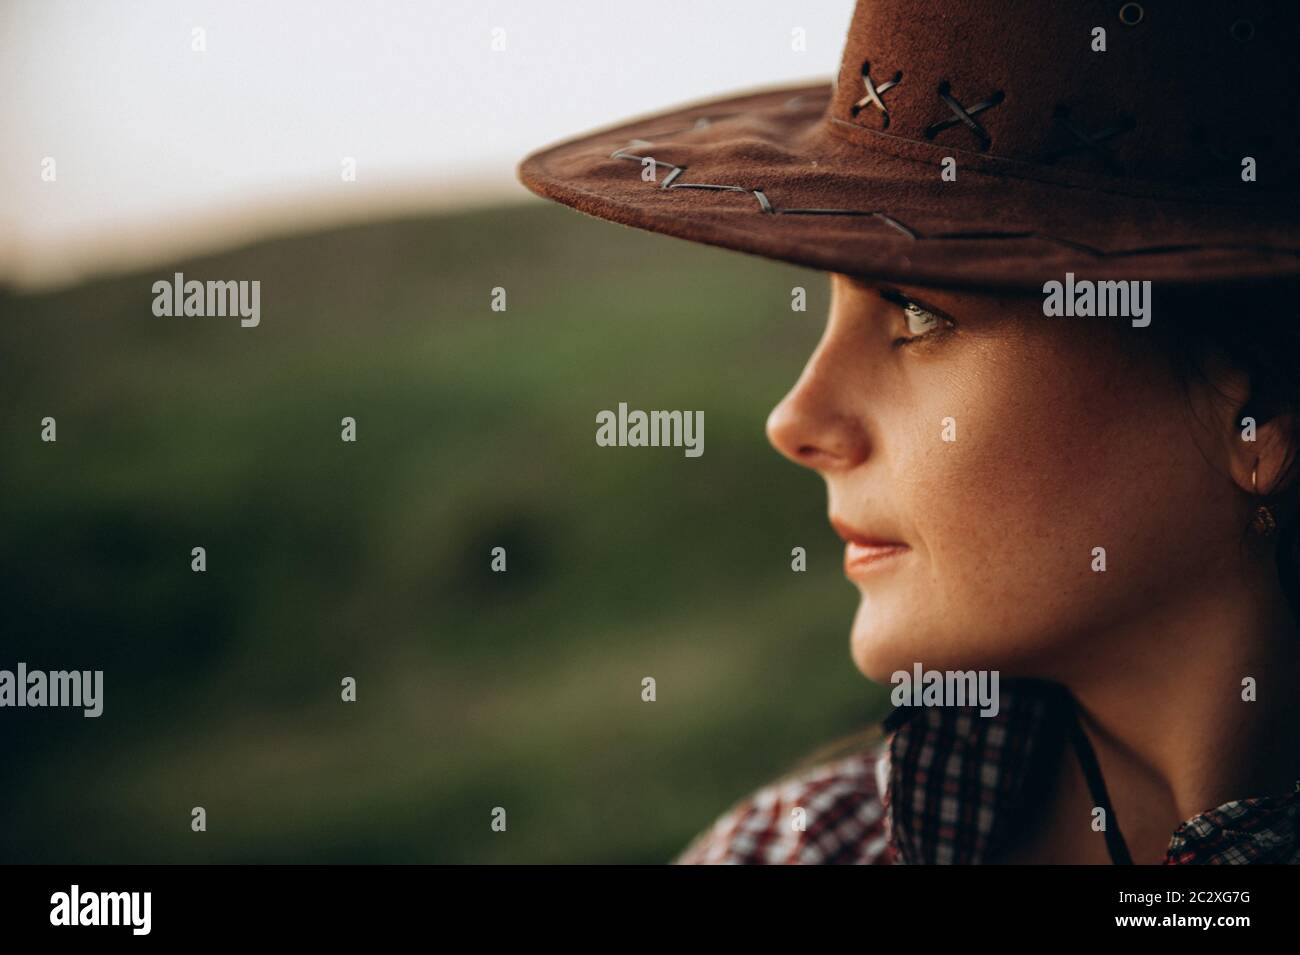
pixel 1173 92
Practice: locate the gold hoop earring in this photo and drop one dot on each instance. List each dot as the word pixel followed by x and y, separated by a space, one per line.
pixel 1265 521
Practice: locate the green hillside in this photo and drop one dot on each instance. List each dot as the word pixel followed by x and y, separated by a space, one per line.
pixel 371 559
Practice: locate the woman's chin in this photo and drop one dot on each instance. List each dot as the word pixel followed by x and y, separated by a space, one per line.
pixel 877 648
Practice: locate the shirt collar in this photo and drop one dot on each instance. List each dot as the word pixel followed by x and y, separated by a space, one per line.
pixel 955 784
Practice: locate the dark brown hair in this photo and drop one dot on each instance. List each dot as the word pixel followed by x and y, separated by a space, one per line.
pixel 1253 327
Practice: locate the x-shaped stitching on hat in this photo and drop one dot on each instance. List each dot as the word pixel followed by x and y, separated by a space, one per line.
pixel 963 115
pixel 873 93
pixel 1089 141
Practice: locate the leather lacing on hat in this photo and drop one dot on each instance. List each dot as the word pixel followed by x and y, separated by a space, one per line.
pixel 963 116
pixel 765 204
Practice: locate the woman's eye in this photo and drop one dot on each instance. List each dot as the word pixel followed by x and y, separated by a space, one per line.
pixel 922 323
pixel 919 320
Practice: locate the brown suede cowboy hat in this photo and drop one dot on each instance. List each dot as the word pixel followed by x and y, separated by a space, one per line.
pixel 988 143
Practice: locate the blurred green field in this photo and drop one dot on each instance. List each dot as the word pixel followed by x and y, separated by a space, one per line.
pixel 325 559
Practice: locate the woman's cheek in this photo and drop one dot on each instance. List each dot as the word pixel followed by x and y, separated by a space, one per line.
pixel 993 509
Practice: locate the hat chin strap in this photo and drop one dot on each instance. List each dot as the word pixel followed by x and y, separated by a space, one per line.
pixel 1119 854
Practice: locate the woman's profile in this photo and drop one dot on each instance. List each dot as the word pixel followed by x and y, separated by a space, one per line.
pixel 1056 409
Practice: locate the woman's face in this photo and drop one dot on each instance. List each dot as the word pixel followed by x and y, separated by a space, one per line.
pixel 976 453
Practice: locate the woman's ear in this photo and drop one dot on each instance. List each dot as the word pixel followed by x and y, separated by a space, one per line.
pixel 1259 466
pixel 1255 451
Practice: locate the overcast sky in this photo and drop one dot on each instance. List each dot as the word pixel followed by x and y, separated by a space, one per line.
pixel 157 143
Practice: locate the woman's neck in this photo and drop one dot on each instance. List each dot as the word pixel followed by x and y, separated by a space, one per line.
pixel 1193 706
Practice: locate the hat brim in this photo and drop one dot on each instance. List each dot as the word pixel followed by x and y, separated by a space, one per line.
pixel 764 173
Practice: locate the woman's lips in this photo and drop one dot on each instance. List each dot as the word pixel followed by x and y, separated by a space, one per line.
pixel 862 552
pixel 859 558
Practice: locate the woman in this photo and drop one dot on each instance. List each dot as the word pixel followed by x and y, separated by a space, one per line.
pixel 1056 410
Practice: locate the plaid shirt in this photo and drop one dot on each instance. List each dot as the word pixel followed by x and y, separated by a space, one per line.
pixel 946 785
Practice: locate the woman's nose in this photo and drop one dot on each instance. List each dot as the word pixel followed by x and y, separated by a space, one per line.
pixel 816 424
